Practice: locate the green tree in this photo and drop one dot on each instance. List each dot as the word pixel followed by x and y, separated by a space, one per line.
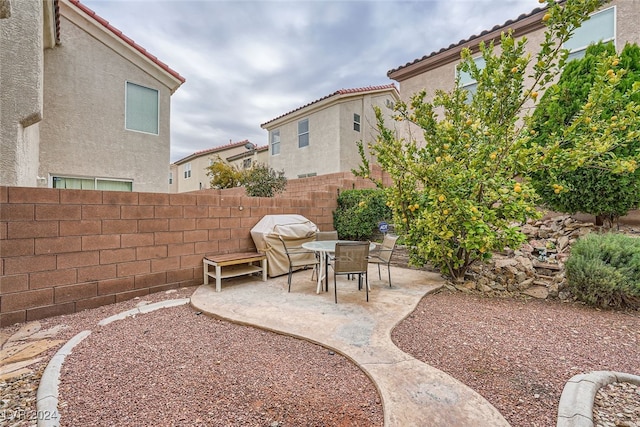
pixel 359 212
pixel 263 181
pixel 594 191
pixel 462 193
pixel 224 175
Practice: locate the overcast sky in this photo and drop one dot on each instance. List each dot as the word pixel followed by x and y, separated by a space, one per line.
pixel 247 62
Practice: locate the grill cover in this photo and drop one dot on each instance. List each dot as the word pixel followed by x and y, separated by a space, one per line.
pixel 291 227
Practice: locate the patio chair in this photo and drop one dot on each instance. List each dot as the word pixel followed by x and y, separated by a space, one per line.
pixel 382 255
pixel 299 258
pixel 327 235
pixel 351 258
pixel 324 235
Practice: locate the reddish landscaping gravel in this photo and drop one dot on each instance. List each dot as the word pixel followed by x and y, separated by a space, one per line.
pixel 172 367
pixel 161 368
pixel 519 354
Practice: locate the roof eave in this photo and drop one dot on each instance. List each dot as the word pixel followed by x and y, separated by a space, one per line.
pixel 520 28
pixel 334 98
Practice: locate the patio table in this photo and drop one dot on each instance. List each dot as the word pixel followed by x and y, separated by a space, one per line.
pixel 324 248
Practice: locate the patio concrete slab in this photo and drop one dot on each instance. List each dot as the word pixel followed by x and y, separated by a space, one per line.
pixel 413 393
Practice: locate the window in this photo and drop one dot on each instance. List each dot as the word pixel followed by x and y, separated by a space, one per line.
pixel 599 27
pixel 141 109
pixel 356 122
pixel 467 82
pixel 275 142
pixel 303 133
pixel 246 163
pixel 92 184
pixel 187 170
pixel 170 178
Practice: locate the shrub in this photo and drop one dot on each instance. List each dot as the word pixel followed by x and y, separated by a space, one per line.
pixel 263 181
pixel 603 270
pixel 359 212
pixel 596 191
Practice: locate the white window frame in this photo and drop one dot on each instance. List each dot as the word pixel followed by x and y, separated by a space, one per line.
pixel 356 122
pixel 590 28
pixel 129 127
pixel 170 178
pixel 187 170
pixel 275 144
pixel 303 136
pixel 95 180
pixel 467 82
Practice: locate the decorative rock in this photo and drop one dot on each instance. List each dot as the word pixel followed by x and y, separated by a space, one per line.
pixel 540 292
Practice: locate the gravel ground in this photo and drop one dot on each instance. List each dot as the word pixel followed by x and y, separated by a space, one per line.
pixel 174 367
pixel 519 354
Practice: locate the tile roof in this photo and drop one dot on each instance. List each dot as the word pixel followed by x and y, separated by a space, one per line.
pixel 338 93
pixel 126 39
pixel 481 36
pixel 218 149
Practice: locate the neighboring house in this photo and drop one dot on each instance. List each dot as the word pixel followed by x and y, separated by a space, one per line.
pixel 320 138
pixel 83 106
pixel 616 21
pixel 190 173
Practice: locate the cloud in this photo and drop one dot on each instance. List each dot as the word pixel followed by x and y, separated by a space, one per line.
pixel 247 62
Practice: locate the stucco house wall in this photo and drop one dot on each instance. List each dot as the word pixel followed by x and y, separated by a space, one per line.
pixel 436 71
pixel 83 132
pixel 22 42
pixel 63 74
pixel 233 153
pixel 332 138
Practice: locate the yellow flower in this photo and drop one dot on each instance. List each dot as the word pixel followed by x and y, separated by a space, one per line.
pixel 361 204
pixel 614 118
pixel 416 206
pixel 546 17
pixel 469 121
pixel 493 156
pixel 534 95
pixel 615 62
pixel 610 73
pixel 446 211
pixel 517 188
pixel 438 159
pixel 514 70
pixel 445 146
pixel 587 120
pixel 442 198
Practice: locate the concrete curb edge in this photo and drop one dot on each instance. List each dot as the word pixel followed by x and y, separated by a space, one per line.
pixel 575 408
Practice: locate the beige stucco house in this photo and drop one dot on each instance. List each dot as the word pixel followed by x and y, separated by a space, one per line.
pixel 190 173
pixel 320 138
pixel 616 21
pixel 83 106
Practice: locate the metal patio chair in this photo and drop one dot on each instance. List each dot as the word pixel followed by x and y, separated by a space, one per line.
pixel 299 258
pixel 351 258
pixel 382 255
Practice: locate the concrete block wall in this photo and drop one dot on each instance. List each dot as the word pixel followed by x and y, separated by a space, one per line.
pixel 63 251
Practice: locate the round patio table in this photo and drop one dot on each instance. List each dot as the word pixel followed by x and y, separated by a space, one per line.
pixel 324 248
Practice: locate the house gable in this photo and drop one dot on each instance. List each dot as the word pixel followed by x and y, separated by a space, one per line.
pixel 102 30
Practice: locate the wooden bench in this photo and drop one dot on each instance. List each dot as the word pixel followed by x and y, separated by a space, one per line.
pixel 233 265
